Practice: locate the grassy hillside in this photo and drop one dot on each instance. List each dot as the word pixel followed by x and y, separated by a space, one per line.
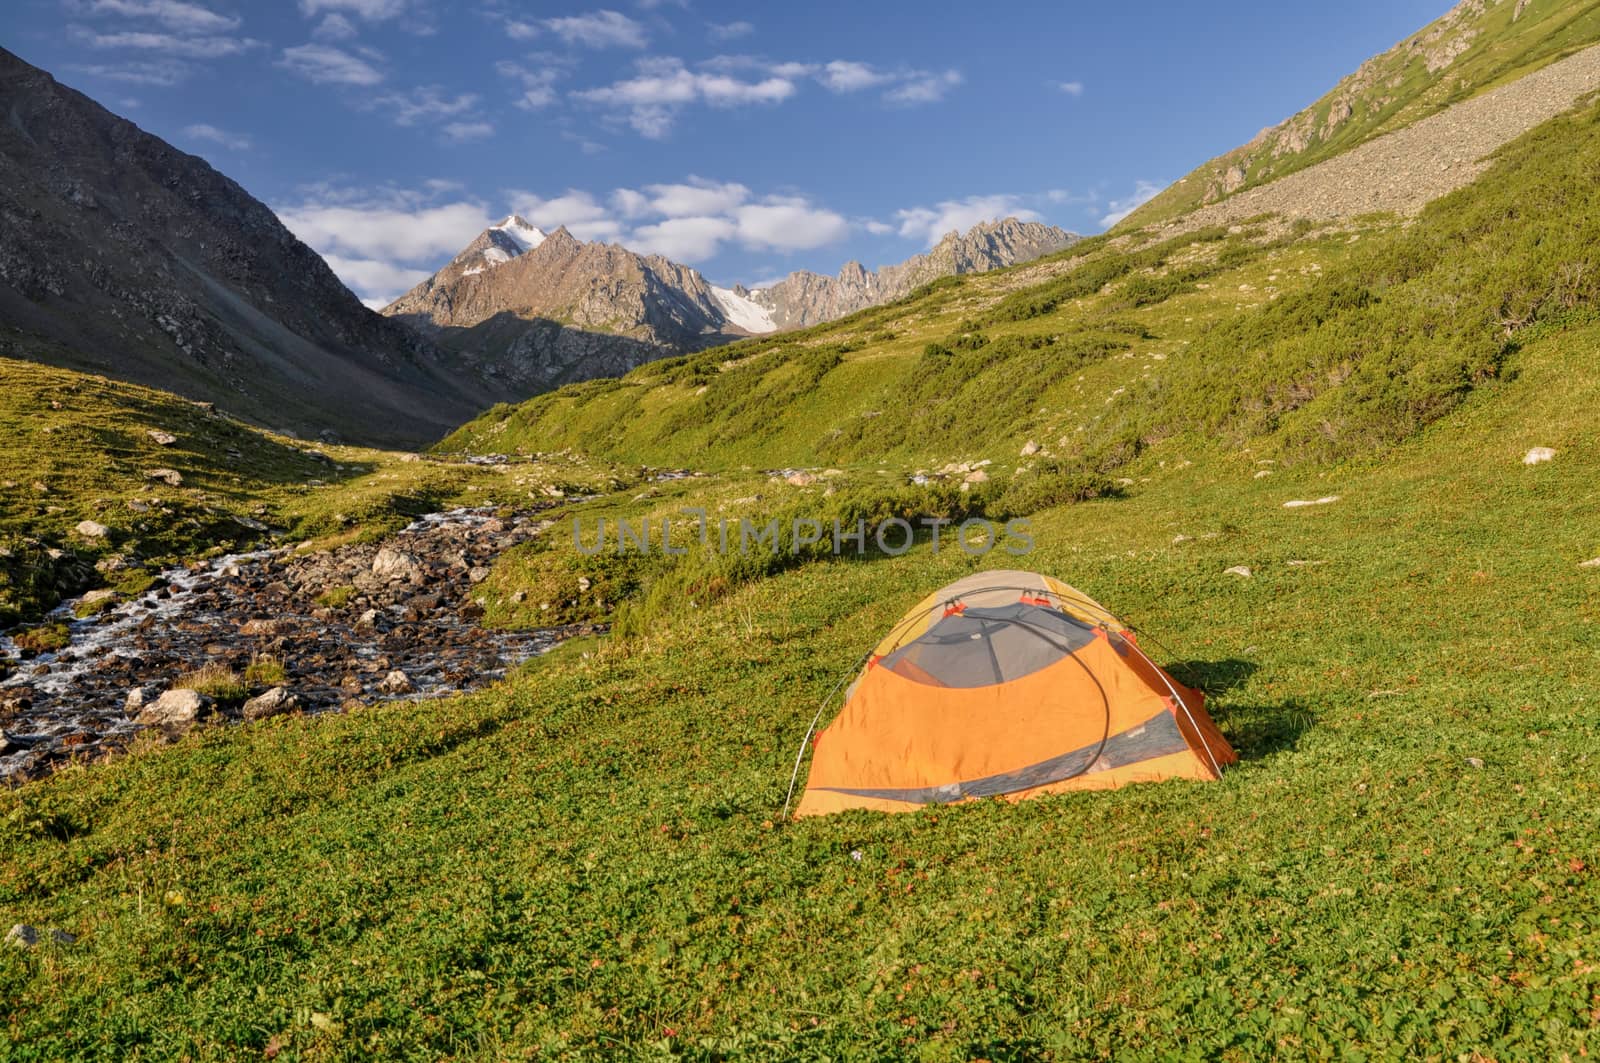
pixel 1302 344
pixel 1476 47
pixel 80 447
pixel 585 861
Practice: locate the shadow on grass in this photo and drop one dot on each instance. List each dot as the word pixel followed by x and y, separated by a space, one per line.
pixel 1256 731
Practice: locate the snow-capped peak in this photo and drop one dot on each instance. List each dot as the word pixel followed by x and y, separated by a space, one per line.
pixel 743 311
pixel 525 236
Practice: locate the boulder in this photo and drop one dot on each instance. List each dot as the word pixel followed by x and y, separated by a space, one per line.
pixel 391 564
pixel 396 682
pixel 91 529
pixel 96 597
pixel 170 477
pixel 1538 456
pixel 22 936
pixel 162 439
pixel 977 476
pixel 1239 570
pixel 174 710
pixel 1029 449
pixel 274 702
pixel 478 574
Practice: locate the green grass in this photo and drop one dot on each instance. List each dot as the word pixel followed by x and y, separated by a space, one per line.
pixel 79 447
pixel 216 681
pixel 585 861
pixel 265 670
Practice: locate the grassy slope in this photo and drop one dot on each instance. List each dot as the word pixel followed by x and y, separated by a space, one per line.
pixel 586 857
pixel 1305 345
pixel 85 441
pixel 1401 91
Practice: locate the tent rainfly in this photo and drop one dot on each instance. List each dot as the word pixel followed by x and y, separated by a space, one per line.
pixel 1007 684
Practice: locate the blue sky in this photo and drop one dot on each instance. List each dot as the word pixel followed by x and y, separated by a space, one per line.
pixel 745 139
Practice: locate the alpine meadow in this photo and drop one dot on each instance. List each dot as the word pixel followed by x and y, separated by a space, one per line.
pixel 1179 641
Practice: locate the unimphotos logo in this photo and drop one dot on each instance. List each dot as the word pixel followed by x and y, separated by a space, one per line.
pixel 893 536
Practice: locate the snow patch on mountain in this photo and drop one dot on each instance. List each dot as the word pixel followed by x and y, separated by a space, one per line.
pixel 743 311
pixel 526 236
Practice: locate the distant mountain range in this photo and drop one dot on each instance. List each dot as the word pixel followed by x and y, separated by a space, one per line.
pixel 538 310
pixel 123 256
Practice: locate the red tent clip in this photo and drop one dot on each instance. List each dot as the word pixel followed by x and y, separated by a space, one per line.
pixel 955 607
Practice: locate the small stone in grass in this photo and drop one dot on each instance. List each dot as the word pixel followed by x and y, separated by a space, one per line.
pixel 1239 570
pixel 1474 762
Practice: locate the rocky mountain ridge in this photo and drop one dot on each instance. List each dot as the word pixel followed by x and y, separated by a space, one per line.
pixel 124 256
pixel 534 311
pixel 804 298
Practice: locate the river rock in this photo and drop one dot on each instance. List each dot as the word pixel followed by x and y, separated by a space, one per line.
pixel 391 564
pixel 396 682
pixel 176 709
pixel 274 702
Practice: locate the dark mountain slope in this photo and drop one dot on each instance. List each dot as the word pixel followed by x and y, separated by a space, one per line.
pixel 121 255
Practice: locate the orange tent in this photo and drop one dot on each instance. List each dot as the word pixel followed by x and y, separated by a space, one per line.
pixel 1007 684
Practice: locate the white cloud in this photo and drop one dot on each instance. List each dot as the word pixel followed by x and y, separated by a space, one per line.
pixel 930 224
pixel 689 221
pixel 1143 192
pixel 698 196
pixel 875 227
pixel 651 100
pixel 171 44
pixel 1071 88
pixel 378 283
pixel 424 104
pixel 538 83
pixel 845 75
pixel 728 31
pixel 384 241
pixel 334 27
pixel 683 239
pixel 175 14
pixel 202 131
pixel 393 232
pixel 371 10
pixel 599 29
pixel 325 64
pixel 162 72
pixel 630 203
pixel 518 30
pixel 461 132
pixel 788 224
pixel 924 88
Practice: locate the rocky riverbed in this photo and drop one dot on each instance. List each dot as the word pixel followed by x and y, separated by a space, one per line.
pixel 356 624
